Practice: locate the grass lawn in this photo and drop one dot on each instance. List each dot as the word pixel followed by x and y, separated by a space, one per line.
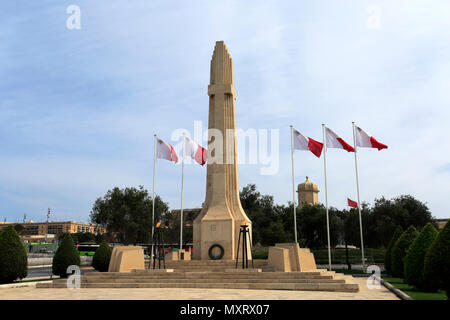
pixel 413 292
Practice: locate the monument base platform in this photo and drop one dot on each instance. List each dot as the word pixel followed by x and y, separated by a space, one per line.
pixel 215 274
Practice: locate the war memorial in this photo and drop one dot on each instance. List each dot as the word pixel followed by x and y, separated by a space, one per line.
pixel 222 232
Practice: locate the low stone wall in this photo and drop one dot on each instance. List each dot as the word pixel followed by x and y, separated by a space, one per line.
pixel 49 260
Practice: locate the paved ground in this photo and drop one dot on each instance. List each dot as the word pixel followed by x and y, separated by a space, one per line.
pixel 27 293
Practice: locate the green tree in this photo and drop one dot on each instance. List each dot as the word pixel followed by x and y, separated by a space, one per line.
pixel 102 256
pixel 312 222
pixel 401 211
pixel 415 257
pixel 437 262
pixel 66 255
pixel 400 249
pixel 19 228
pixel 13 256
pixel 128 214
pixel 388 257
pixel 350 230
pixel 268 219
pixel 99 238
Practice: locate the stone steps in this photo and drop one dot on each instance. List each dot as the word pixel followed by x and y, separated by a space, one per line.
pixel 211 275
pixel 187 280
pixel 215 275
pixel 257 286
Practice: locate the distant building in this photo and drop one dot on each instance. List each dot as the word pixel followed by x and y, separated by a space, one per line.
pixel 308 192
pixel 441 223
pixel 35 231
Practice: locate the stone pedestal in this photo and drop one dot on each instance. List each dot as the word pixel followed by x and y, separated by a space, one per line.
pixel 125 259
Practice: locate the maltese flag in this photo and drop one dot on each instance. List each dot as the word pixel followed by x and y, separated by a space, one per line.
pixel 165 151
pixel 195 151
pixel 303 143
pixel 363 140
pixel 334 141
pixel 352 203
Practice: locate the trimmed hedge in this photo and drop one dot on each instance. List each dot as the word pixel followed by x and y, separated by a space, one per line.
pixel 13 256
pixel 437 262
pixel 388 257
pixel 415 258
pixel 66 255
pixel 102 256
pixel 400 249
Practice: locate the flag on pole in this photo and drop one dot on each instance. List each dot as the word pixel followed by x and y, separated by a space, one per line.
pixel 352 203
pixel 165 151
pixel 303 143
pixel 366 141
pixel 195 151
pixel 334 141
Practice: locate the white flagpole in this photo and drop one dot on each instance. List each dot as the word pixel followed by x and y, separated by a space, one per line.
pixel 359 202
pixel 326 193
pixel 182 182
pixel 293 184
pixel 153 196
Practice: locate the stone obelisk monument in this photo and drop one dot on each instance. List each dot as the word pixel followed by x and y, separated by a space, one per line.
pixel 222 215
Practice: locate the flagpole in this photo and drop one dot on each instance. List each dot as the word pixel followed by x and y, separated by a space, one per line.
pixel 359 202
pixel 153 196
pixel 293 185
pixel 182 182
pixel 326 194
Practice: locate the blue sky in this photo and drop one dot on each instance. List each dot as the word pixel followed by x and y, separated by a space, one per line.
pixel 79 107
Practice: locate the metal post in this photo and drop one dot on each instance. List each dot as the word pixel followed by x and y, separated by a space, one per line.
pixel 359 203
pixel 181 213
pixel 326 194
pixel 153 196
pixel 293 185
pixel 237 253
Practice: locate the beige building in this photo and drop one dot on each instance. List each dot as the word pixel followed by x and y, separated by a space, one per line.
pixel 54 227
pixel 308 192
pixel 441 223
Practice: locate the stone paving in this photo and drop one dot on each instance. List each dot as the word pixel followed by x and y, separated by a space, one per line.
pixel 32 293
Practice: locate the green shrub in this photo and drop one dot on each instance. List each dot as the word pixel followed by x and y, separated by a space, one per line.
pixel 400 249
pixel 387 258
pixel 13 256
pixel 260 254
pixel 102 256
pixel 437 262
pixel 66 255
pixel 415 258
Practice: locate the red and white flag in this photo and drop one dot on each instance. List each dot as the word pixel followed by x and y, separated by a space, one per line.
pixel 366 141
pixel 165 151
pixel 334 141
pixel 303 143
pixel 195 151
pixel 352 203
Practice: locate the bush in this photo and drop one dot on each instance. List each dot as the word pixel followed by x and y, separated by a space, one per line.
pixel 260 254
pixel 400 249
pixel 66 255
pixel 387 258
pixel 102 256
pixel 437 262
pixel 415 258
pixel 13 256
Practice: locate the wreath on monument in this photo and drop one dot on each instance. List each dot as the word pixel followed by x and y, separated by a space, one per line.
pixel 216 257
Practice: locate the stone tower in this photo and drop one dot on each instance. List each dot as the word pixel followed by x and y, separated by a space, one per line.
pixel 308 192
pixel 219 221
